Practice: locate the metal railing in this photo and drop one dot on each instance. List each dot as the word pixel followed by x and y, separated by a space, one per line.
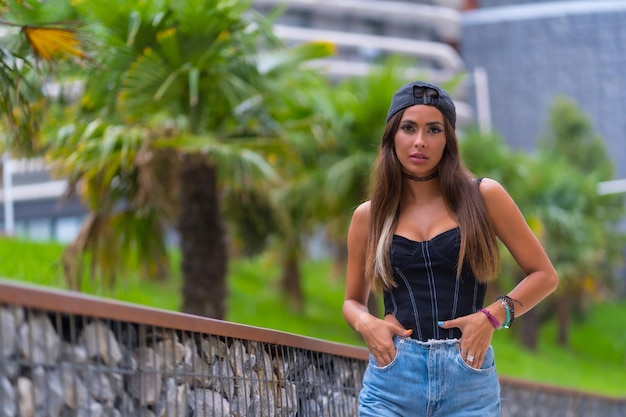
pixel 71 355
pixel 66 354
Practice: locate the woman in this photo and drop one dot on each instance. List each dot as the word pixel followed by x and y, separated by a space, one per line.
pixel 427 240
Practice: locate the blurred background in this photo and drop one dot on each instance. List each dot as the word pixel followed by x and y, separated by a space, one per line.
pixel 205 156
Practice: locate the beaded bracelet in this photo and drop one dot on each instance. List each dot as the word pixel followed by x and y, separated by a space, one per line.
pixel 506 303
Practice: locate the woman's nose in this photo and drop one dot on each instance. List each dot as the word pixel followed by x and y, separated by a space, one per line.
pixel 419 140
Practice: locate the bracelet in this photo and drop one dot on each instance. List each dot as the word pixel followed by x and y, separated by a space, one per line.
pixel 506 302
pixel 494 321
pixel 507 311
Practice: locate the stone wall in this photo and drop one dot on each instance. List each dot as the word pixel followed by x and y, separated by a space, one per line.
pixel 523 399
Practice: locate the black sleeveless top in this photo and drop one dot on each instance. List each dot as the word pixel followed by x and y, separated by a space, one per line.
pixel 427 288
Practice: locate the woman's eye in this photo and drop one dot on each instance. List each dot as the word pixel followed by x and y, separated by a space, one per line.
pixel 407 128
pixel 434 130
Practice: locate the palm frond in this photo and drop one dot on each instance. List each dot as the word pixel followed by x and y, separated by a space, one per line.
pixel 170 42
pixel 20 104
pixel 241 161
pixel 107 244
pixel 145 85
pixel 196 17
pixel 349 176
pixel 274 61
pixel 123 180
pixel 50 43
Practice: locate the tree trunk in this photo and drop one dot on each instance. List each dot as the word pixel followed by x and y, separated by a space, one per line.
pixel 203 245
pixel 563 312
pixel 529 329
pixel 340 260
pixel 290 283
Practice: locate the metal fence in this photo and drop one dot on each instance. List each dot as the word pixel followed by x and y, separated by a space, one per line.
pixel 59 364
pixel 65 354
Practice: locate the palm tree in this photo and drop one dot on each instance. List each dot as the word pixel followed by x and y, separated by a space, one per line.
pixel 187 79
pixel 171 75
pixel 564 202
pixel 300 106
pixel 581 230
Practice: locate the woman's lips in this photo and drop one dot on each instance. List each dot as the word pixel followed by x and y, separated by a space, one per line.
pixel 418 157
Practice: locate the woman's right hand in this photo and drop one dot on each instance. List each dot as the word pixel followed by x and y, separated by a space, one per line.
pixel 378 336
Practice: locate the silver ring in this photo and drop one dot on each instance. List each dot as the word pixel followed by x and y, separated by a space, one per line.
pixel 470 358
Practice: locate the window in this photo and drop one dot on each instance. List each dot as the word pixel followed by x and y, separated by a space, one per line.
pixel 66 228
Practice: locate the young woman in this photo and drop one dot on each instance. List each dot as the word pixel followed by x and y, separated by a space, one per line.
pixel 427 240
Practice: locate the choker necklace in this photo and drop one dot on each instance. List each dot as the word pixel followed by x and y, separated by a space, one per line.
pixel 421 179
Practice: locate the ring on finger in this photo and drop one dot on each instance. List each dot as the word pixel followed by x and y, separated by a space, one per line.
pixel 470 358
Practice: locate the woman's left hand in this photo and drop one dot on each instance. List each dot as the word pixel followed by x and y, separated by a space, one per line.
pixel 477 333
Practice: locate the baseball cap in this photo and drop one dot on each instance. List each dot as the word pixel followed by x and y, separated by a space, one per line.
pixel 420 92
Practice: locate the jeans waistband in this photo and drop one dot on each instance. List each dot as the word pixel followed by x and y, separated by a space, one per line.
pixel 430 344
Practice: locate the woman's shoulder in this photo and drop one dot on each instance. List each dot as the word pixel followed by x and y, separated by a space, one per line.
pixel 362 211
pixel 359 226
pixel 493 192
pixel 488 186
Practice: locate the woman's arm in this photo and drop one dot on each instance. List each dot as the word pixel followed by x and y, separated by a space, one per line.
pixel 357 289
pixel 511 228
pixel 377 333
pixel 541 278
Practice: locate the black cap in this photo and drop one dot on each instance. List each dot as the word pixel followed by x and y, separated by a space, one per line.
pixel 417 92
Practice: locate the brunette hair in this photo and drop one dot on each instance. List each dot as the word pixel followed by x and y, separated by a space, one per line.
pixel 479 247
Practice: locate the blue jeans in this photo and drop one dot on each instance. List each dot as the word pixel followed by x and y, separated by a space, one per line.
pixel 430 379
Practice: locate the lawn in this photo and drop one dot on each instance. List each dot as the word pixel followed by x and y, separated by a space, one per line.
pixel 595 361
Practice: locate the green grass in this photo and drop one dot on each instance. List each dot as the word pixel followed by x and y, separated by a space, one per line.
pixel 595 361
pixel 256 299
pixel 32 262
pixel 40 263
pixel 570 367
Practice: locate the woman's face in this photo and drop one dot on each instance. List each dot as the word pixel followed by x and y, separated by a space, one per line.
pixel 420 140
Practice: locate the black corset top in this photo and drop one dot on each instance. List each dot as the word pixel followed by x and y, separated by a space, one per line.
pixel 427 289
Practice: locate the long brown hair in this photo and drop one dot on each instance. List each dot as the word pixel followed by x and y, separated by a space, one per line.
pixel 479 247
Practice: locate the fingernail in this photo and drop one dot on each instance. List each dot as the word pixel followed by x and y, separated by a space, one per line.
pixel 409 331
pixel 440 323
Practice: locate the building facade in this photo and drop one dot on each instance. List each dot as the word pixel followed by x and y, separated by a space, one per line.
pixel 38 208
pixel 535 51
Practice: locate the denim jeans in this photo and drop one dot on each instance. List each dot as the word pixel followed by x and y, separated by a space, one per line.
pixel 430 379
